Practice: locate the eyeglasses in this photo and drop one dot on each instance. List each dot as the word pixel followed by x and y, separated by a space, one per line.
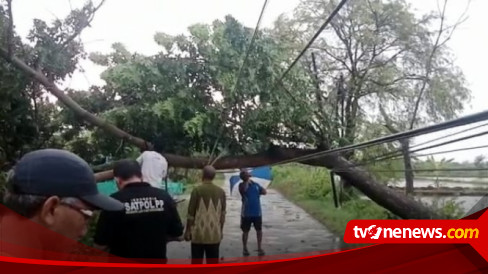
pixel 85 212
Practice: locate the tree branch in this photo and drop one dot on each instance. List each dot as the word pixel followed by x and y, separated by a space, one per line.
pixel 405 77
pixel 10 34
pixel 428 67
pixel 342 37
pixel 341 61
pixel 388 121
pixel 462 18
pixel 318 92
pixel 81 28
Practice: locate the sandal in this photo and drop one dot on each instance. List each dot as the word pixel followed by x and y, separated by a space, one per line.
pixel 261 252
pixel 245 253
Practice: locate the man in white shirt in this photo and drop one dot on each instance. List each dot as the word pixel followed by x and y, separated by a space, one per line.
pixel 154 167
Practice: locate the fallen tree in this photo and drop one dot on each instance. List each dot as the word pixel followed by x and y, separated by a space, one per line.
pixel 361 179
pixel 395 202
pixel 398 204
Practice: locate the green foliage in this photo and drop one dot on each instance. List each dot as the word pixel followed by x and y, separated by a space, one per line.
pixel 28 120
pixel 449 167
pixel 310 188
pixel 448 208
pixel 186 176
pixel 88 239
pixel 174 92
pixel 383 55
pixel 451 209
pixel 303 181
pixel 187 97
pixel 377 168
pixel 480 161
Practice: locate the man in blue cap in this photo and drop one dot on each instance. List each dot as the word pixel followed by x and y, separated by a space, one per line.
pixel 55 189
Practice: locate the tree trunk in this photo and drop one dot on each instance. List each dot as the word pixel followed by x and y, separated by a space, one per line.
pixel 350 132
pixel 407 162
pixel 399 204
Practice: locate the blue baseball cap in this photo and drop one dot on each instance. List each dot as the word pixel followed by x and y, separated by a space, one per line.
pixel 55 172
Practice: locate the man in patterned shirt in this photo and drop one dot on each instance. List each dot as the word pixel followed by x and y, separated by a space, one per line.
pixel 206 215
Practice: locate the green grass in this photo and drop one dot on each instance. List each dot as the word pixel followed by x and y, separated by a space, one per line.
pixel 310 188
pixel 336 218
pixel 454 180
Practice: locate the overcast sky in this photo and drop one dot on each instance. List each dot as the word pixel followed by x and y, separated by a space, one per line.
pixel 134 25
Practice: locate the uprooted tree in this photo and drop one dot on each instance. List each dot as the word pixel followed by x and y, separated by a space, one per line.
pixel 184 96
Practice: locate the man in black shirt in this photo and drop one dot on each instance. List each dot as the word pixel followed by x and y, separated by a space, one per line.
pixel 149 221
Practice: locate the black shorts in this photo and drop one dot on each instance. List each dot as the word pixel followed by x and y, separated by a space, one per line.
pixel 209 251
pixel 247 221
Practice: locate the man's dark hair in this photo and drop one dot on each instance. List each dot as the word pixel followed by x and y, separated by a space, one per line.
pixel 244 175
pixel 126 169
pixel 158 146
pixel 24 204
pixel 155 145
pixel 208 173
pixel 147 147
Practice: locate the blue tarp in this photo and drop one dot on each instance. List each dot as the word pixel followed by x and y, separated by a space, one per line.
pixel 261 175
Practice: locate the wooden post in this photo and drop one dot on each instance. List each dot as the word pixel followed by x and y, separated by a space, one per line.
pixel 332 181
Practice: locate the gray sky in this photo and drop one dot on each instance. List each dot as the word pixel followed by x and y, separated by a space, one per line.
pixel 134 25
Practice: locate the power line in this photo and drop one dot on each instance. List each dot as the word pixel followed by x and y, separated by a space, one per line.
pixel 396 152
pixel 241 68
pixel 309 44
pixel 449 135
pixel 419 170
pixel 469 119
pixel 407 134
pixel 279 82
pixel 398 156
pixel 319 31
pixel 448 151
pixel 436 145
pixel 254 35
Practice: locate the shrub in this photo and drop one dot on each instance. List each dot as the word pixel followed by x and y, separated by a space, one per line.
pixel 310 188
pixel 305 181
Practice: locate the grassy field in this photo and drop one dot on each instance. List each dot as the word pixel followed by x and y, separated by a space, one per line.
pixel 468 180
pixel 310 188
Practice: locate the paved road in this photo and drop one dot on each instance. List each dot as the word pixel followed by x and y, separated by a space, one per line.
pixel 286 227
